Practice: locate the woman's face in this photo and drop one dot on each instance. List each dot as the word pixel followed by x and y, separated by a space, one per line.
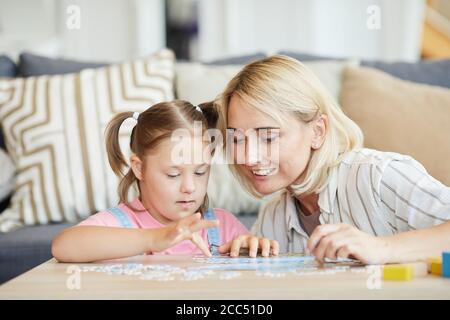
pixel 270 155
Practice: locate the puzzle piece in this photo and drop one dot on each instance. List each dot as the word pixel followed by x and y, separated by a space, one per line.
pixel 278 264
pixel 446 264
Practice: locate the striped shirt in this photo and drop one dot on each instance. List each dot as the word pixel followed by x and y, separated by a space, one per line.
pixel 380 193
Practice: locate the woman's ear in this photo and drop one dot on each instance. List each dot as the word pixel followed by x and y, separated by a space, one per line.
pixel 136 166
pixel 320 126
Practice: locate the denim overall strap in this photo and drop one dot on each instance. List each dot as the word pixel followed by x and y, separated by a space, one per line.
pixel 213 233
pixel 122 217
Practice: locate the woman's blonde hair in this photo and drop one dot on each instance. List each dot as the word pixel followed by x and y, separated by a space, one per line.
pixel 153 126
pixel 280 87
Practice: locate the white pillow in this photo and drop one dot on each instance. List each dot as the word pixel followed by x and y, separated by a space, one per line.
pixel 329 73
pixel 6 175
pixel 197 83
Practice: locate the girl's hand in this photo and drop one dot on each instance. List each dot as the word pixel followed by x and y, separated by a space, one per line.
pixel 344 241
pixel 183 229
pixel 253 244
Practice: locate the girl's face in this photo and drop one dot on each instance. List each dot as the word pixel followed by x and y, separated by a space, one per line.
pixel 289 147
pixel 169 190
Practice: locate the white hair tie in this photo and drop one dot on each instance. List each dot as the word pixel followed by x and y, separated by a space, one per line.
pixel 198 109
pixel 135 116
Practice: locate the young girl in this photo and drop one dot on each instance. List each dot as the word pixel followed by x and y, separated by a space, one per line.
pixel 171 214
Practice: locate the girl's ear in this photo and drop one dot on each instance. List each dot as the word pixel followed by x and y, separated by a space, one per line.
pixel 319 131
pixel 136 166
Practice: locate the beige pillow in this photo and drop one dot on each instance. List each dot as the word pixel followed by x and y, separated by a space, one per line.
pixel 54 129
pixel 400 116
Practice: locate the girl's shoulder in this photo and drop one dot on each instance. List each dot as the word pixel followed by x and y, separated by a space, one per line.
pixel 227 220
pixel 101 219
pixel 112 217
pixel 223 214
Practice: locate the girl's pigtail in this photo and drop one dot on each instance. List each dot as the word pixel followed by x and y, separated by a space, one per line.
pixel 115 155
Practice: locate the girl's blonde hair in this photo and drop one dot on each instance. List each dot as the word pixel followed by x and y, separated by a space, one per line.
pixel 153 126
pixel 280 86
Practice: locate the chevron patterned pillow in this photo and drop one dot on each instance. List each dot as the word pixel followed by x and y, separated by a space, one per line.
pixel 54 129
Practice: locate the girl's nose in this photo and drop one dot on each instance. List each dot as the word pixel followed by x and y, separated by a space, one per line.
pixel 187 186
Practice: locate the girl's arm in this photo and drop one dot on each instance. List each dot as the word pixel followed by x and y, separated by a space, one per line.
pixel 92 243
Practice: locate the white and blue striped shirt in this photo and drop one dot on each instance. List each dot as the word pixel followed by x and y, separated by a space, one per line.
pixel 381 193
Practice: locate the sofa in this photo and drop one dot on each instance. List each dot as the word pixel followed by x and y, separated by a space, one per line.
pixel 28 246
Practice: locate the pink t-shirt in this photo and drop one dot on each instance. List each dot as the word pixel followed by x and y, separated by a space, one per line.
pixel 229 226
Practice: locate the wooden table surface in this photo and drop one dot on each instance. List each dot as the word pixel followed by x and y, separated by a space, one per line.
pixel 50 281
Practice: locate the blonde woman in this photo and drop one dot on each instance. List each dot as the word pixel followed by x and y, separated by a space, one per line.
pixel 335 198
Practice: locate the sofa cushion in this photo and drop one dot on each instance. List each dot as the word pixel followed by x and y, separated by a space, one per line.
pixel 26 248
pixel 400 116
pixel 303 56
pixel 7 67
pixel 432 72
pixel 36 65
pixel 237 60
pixel 54 128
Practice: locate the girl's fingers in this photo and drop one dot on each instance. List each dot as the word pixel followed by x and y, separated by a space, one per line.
pixel 275 247
pixel 253 243
pixel 203 224
pixel 198 241
pixel 225 248
pixel 265 247
pixel 320 232
pixel 237 244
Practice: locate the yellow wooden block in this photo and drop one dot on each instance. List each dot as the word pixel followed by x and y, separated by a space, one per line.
pixel 399 272
pixel 435 266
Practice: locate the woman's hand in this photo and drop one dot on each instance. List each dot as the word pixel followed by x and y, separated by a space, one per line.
pixel 253 244
pixel 183 229
pixel 344 241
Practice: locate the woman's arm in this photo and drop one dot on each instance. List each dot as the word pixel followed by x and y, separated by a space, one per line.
pixel 343 241
pixel 416 201
pixel 92 243
pixel 419 244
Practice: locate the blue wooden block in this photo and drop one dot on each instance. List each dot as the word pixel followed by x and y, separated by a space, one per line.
pixel 446 264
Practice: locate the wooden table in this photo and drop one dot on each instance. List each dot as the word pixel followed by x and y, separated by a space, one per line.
pixel 50 281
